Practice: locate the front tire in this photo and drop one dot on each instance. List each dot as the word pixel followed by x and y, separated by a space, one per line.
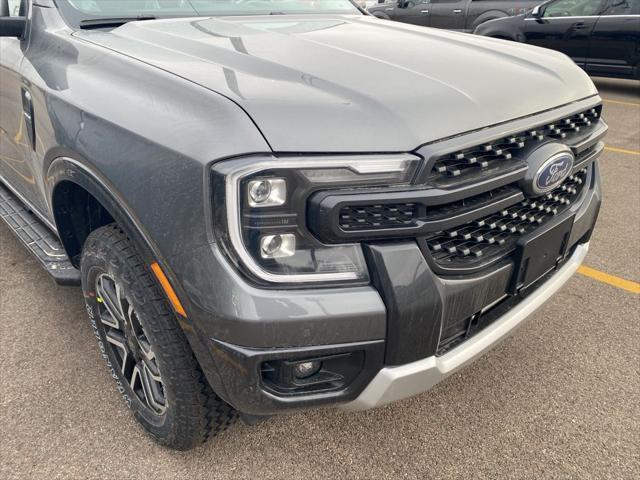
pixel 143 346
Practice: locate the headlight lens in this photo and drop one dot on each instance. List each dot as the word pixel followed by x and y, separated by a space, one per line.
pixel 260 213
pixel 267 192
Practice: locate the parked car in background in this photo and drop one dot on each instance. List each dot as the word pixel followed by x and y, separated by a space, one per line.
pixel 367 4
pixel 460 15
pixel 603 37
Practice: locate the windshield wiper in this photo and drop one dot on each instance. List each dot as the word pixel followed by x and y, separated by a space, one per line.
pixel 112 22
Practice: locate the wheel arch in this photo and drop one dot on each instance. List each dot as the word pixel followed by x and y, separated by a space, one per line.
pixel 82 201
pixel 486 16
pixel 67 176
pixel 76 213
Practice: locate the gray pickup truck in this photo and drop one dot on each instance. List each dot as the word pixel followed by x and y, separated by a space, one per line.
pixel 460 15
pixel 279 205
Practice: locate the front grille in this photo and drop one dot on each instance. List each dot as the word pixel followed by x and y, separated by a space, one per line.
pixel 488 155
pixel 467 209
pixel 497 234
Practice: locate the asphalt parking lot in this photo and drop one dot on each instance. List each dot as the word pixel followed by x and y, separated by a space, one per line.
pixel 559 399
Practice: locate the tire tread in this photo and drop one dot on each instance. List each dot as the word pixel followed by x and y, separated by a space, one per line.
pixel 199 414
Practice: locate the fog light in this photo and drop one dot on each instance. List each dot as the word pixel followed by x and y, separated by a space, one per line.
pixel 307 369
pixel 267 192
pixel 278 246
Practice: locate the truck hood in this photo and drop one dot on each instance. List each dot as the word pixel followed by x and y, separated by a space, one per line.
pixel 353 83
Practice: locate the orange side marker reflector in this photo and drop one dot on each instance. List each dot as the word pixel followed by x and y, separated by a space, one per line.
pixel 168 289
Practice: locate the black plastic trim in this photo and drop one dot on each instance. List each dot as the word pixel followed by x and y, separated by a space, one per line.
pixel 324 208
pixel 240 368
pixel 37 238
pixel 413 300
pixel 587 141
pixel 586 160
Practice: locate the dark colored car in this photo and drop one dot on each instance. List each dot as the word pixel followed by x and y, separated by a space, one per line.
pixel 460 15
pixel 602 36
pixel 280 205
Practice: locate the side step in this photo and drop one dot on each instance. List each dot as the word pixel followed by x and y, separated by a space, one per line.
pixel 37 237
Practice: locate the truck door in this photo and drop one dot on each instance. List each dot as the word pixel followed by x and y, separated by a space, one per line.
pixel 449 14
pixel 564 25
pixel 614 48
pixel 415 12
pixel 16 114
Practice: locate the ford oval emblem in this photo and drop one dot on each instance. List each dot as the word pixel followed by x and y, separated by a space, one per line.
pixel 553 172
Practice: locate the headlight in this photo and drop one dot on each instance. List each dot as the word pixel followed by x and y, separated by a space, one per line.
pixel 260 213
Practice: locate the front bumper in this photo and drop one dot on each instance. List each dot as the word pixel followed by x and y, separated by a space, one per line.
pixel 396 383
pixel 396 328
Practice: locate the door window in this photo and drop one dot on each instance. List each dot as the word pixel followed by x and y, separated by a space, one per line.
pixel 15 9
pixel 623 7
pixel 573 8
pixel 410 3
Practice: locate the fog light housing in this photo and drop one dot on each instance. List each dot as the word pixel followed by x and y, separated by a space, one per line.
pixel 307 369
pixel 304 376
pixel 278 246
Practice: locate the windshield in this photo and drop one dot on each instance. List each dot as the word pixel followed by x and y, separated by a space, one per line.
pixel 75 11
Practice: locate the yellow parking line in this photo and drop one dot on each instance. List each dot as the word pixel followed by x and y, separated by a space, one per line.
pixel 620 102
pixel 618 282
pixel 623 150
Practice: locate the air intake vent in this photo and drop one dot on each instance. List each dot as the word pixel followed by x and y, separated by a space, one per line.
pixel 367 217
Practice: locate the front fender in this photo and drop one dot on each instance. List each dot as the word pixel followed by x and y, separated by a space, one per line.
pixel 486 16
pixel 138 139
pixel 149 134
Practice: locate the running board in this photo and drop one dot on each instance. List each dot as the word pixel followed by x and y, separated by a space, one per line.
pixel 37 237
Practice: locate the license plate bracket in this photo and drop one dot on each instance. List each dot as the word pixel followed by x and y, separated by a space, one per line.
pixel 539 253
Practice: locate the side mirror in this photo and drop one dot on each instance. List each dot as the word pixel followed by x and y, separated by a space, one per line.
pixel 537 11
pixel 12 26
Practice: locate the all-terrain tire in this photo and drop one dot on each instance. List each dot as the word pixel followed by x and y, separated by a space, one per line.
pixel 191 412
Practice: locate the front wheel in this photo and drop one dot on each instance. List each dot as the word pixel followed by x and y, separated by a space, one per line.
pixel 145 350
